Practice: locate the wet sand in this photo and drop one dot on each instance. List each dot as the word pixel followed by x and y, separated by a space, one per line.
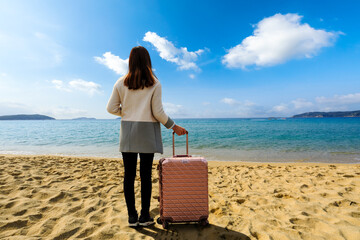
pixel 54 197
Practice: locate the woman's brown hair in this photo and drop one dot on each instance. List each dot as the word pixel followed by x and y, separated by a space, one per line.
pixel 140 73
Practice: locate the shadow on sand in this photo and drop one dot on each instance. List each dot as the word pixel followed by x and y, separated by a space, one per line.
pixel 191 231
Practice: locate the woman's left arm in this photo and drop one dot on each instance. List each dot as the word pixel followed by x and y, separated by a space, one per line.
pixel 114 104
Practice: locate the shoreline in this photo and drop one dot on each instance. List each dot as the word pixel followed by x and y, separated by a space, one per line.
pixel 211 163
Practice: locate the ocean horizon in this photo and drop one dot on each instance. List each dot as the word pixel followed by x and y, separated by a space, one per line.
pixel 332 140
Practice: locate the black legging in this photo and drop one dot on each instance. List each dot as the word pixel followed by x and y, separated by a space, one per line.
pixel 130 161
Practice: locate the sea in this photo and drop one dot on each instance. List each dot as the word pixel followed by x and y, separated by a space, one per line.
pixel 330 140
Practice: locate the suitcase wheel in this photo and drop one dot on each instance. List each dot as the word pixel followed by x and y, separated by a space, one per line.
pixel 204 222
pixel 165 225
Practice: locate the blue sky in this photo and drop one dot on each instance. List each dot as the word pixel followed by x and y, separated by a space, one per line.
pixel 214 59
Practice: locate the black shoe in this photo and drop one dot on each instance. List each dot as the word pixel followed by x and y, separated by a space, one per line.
pixel 146 221
pixel 133 221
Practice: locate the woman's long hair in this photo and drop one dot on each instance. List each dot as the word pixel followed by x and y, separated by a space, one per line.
pixel 140 73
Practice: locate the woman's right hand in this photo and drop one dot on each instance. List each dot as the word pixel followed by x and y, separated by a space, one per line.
pixel 179 130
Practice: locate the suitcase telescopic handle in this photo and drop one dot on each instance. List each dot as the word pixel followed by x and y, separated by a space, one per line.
pixel 187 145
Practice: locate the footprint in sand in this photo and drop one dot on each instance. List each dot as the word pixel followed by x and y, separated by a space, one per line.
pixel 271 209
pixel 282 195
pixel 240 201
pixel 38 177
pixel 59 197
pixel 273 222
pixel 75 209
pixel 307 223
pixel 10 204
pixel 86 232
pixel 15 173
pixel 355 214
pixel 35 217
pixel 20 213
pixel 14 225
pixel 90 210
pixel 343 203
pixel 67 234
pixel 26 167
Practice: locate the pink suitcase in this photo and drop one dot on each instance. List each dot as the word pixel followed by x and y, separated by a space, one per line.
pixel 183 189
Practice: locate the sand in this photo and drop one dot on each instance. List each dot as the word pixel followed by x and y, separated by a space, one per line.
pixel 54 197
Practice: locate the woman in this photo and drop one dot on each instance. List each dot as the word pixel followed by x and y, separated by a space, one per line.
pixel 136 97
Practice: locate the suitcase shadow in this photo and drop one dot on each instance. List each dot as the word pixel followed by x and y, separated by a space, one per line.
pixel 191 231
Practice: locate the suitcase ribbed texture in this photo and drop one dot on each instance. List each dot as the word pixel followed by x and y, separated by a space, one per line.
pixel 183 189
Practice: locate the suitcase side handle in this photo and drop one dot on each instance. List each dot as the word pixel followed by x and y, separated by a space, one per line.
pixel 187 145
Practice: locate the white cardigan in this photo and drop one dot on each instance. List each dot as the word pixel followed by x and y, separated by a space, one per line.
pixel 141 111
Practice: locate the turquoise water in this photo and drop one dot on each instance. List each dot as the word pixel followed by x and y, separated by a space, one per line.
pixel 290 140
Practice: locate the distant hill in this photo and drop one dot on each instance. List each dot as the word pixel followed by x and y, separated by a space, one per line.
pixel 26 117
pixel 84 118
pixel 328 114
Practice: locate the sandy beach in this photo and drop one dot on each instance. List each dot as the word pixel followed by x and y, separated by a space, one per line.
pixel 56 197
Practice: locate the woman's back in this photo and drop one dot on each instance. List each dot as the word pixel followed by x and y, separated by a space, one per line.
pixel 136 104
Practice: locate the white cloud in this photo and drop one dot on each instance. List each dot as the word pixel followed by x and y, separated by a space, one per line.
pixel 51 46
pixel 206 103
pixel 12 108
pixel 293 107
pixel 35 49
pixel 192 76
pixel 277 39
pixel 281 108
pixel 347 102
pixel 85 86
pixel 180 56
pixel 77 84
pixel 248 103
pixel 242 109
pixel 173 109
pixel 66 112
pixel 232 107
pixel 301 103
pixel 60 85
pixel 340 99
pixel 115 63
pixel 230 101
pixel 3 80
